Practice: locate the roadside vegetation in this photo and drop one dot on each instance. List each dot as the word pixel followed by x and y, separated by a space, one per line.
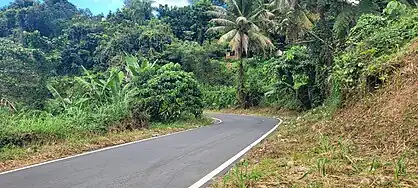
pixel 342 74
pixel 370 142
pixel 363 133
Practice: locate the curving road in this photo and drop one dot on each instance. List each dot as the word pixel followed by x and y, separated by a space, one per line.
pixel 175 161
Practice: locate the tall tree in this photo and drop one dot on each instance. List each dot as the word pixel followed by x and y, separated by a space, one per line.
pixel 23 74
pixel 189 22
pixel 214 2
pixel 139 10
pixel 238 23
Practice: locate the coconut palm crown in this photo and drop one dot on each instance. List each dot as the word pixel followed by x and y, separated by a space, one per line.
pixel 239 23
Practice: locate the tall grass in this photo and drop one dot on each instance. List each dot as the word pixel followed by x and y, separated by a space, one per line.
pixel 28 127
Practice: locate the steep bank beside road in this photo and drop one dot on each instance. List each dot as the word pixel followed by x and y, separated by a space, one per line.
pixel 372 142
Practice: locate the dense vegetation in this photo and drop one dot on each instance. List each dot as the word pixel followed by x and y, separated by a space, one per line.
pixel 362 88
pixel 65 71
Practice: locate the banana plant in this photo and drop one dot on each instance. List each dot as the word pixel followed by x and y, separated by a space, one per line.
pixel 114 86
pixel 67 102
pixel 92 84
pixel 134 69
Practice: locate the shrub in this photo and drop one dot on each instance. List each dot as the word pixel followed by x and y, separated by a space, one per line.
pixel 257 82
pixel 135 119
pixel 218 97
pixel 23 74
pixel 363 65
pixel 199 59
pixel 294 77
pixel 140 119
pixel 171 94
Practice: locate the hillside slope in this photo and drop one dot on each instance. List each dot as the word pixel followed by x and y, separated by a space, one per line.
pixel 372 142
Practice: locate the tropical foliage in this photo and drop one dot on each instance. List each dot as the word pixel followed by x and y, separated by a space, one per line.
pixel 66 71
pixel 372 42
pixel 238 23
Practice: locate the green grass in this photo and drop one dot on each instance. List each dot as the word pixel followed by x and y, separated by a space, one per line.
pixel 13 156
pixel 37 126
pixel 11 152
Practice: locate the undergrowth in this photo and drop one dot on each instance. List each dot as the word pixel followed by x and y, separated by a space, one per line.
pixel 370 142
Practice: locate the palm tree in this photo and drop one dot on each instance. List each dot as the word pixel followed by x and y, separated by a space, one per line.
pixel 293 19
pixel 140 10
pixel 298 19
pixel 290 18
pixel 239 25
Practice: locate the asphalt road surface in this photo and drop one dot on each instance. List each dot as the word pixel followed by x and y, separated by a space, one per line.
pixel 175 161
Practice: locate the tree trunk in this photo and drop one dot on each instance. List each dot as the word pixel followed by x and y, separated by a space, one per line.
pixel 241 85
pixel 241 78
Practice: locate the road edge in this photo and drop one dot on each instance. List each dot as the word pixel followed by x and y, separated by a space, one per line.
pixel 233 159
pixel 216 122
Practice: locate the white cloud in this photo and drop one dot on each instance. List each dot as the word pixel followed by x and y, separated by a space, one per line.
pixel 173 2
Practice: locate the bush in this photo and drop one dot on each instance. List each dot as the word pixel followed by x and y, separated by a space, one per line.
pixel 171 94
pixel 294 80
pixel 97 103
pixel 23 74
pixel 200 59
pixel 363 65
pixel 257 82
pixel 218 97
pixel 136 119
pixel 140 119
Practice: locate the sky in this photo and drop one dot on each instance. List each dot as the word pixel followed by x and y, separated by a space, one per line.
pixel 103 6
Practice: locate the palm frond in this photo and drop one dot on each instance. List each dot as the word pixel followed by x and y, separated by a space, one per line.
pixel 218 29
pixel 255 28
pixel 303 19
pixel 412 3
pixel 216 14
pixel 261 40
pixel 223 22
pixel 227 36
pixel 243 20
pixel 281 5
pixel 237 8
pixel 257 14
pixel 236 44
pixel 261 14
pixel 342 22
